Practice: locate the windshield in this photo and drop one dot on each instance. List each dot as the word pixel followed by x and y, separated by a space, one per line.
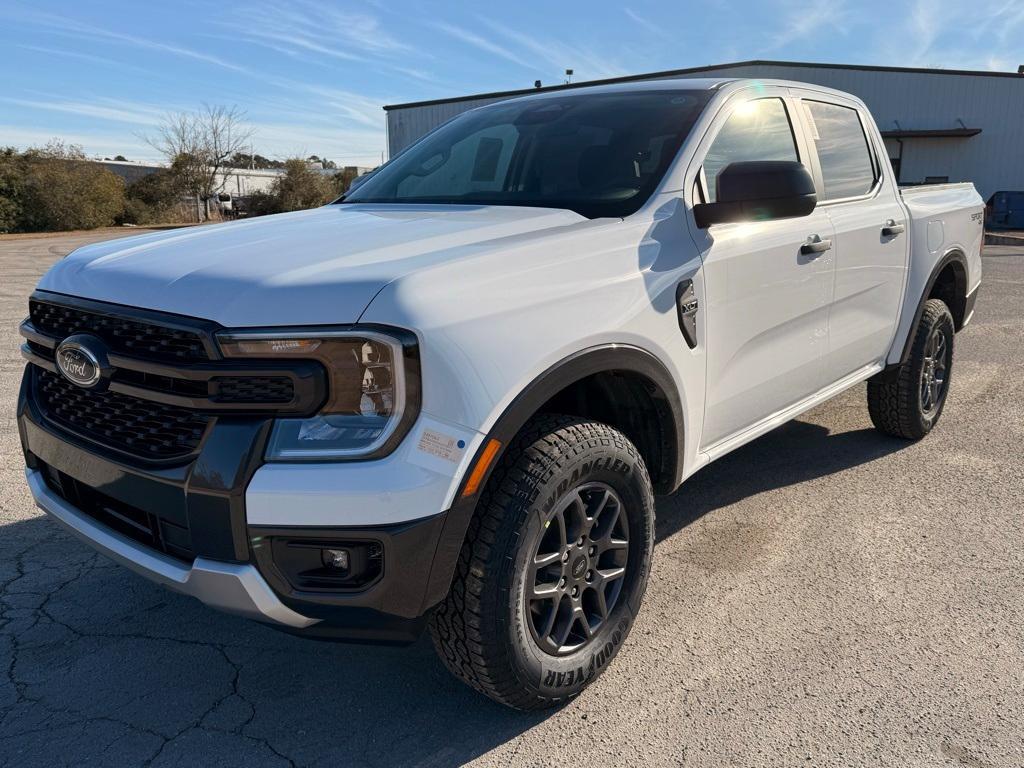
pixel 599 154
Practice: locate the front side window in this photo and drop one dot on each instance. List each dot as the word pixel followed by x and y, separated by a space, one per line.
pixel 599 154
pixel 843 151
pixel 756 130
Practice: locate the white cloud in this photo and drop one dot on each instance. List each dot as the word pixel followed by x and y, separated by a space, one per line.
pixel 102 144
pixel 557 54
pixel 649 26
pixel 806 20
pixel 103 109
pixel 484 44
pixel 69 27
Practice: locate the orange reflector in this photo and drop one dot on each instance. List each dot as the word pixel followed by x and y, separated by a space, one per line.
pixel 482 465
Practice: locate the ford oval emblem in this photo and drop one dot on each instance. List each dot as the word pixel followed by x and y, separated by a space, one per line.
pixel 81 361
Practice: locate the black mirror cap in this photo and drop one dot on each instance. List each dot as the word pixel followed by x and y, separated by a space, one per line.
pixel 759 190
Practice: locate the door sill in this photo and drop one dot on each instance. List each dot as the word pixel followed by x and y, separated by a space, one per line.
pixel 779 418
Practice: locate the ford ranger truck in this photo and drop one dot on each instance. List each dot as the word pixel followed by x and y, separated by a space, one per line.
pixel 448 399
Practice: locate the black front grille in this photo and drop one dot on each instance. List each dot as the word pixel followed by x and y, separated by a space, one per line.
pixel 129 337
pixel 252 389
pixel 140 427
pixel 145 527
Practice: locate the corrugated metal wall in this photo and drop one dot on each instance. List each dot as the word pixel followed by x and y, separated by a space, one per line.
pixel 993 160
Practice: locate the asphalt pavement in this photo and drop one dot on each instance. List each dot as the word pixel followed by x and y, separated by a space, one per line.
pixel 823 596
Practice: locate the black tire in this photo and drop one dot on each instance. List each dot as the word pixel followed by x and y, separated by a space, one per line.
pixel 900 401
pixel 484 630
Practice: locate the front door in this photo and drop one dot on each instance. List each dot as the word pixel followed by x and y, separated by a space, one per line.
pixel 766 296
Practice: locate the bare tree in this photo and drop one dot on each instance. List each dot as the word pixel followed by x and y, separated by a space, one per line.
pixel 198 144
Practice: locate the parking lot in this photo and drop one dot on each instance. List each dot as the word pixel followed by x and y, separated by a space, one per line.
pixel 823 596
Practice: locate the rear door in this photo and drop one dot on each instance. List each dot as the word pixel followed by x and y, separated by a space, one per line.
pixel 766 301
pixel 870 250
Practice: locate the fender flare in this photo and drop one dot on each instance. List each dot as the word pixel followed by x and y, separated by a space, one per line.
pixel 568 371
pixel 952 256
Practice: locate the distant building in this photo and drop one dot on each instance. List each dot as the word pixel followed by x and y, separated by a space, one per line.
pixel 938 124
pixel 239 182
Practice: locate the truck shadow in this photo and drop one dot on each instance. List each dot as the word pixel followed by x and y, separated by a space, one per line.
pixel 793 453
pixel 105 667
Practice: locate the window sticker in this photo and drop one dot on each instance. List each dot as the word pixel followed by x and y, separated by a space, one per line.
pixel 810 121
pixel 441 446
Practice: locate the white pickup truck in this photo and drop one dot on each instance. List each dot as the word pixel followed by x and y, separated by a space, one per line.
pixel 449 398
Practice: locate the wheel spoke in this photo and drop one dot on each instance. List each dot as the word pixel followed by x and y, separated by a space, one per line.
pixel 544 591
pixel 611 574
pixel 562 536
pixel 543 561
pixel 562 633
pixel 549 622
pixel 581 619
pixel 602 603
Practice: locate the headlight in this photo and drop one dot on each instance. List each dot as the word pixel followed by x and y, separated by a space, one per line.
pixel 373 391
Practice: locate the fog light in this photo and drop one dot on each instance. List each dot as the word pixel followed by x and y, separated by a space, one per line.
pixel 335 558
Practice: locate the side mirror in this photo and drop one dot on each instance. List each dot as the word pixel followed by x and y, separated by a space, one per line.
pixel 759 190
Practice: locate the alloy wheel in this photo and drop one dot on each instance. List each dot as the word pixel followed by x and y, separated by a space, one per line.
pixel 577 569
pixel 934 372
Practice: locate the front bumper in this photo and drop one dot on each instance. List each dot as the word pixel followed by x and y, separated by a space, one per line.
pixel 203 545
pixel 233 587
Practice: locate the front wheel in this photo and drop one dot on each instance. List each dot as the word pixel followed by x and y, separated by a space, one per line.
pixel 908 401
pixel 554 566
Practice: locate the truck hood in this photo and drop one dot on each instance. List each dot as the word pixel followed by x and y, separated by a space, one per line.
pixel 322 266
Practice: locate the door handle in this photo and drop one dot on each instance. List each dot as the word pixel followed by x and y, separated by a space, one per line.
pixel 815 246
pixel 891 229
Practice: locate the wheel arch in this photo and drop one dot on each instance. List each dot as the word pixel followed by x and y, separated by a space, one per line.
pixel 947 281
pixel 650 392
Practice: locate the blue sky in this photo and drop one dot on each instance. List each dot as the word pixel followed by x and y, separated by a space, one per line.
pixel 312 76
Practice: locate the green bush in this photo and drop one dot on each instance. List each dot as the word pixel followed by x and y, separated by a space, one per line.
pixel 64 191
pixel 300 187
pixel 12 190
pixel 155 198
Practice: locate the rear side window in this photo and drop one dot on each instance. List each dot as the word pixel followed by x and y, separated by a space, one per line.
pixel 843 151
pixel 756 130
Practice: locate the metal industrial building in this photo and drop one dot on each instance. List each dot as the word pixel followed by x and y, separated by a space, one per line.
pixel 939 124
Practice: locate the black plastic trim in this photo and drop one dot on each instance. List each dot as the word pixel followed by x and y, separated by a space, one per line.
pixel 208 491
pixel 969 301
pixel 953 256
pixel 202 328
pixel 609 357
pixel 400 591
pixel 308 378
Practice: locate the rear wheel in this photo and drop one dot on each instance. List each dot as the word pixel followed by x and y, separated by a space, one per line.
pixel 554 565
pixel 908 401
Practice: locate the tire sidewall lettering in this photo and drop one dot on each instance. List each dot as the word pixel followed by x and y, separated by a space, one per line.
pixel 578 673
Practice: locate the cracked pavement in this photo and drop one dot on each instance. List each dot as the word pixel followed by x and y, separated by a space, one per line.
pixel 823 596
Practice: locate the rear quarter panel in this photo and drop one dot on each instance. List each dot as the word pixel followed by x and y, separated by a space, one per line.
pixel 943 218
